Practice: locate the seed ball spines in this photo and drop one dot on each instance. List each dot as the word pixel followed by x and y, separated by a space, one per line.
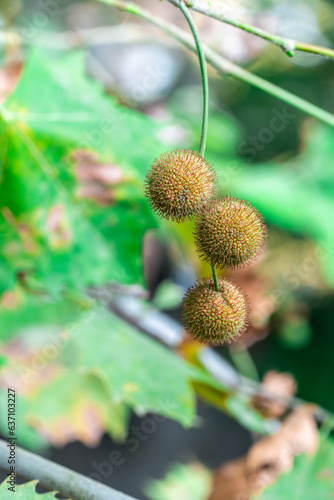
pixel 230 233
pixel 215 317
pixel 179 184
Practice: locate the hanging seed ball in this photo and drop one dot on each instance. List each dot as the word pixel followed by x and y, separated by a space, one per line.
pixel 230 233
pixel 179 184
pixel 215 317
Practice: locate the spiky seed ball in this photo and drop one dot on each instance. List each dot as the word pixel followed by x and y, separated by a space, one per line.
pixel 230 233
pixel 215 317
pixel 179 183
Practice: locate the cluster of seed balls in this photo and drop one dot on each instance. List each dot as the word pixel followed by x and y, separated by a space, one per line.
pixel 229 233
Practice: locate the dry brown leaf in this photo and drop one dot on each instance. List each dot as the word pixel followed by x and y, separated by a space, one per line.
pixel 301 431
pixel 230 482
pixel 268 458
pixel 281 385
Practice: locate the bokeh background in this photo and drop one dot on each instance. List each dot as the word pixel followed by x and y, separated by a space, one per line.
pixel 264 151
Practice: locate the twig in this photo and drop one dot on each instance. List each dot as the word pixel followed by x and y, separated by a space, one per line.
pixel 215 365
pixel 215 277
pixel 288 45
pixel 55 477
pixel 223 65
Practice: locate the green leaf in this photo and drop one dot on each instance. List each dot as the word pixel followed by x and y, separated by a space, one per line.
pixel 311 478
pixel 28 311
pixel 139 371
pixel 48 228
pixel 186 482
pixel 76 407
pixel 26 491
pixel 110 367
pixel 62 405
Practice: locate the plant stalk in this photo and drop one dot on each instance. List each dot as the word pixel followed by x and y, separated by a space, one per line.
pixel 204 75
pixel 215 277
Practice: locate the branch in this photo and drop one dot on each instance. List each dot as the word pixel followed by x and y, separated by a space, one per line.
pixel 55 477
pixel 286 44
pixel 223 65
pixel 214 363
pixel 170 332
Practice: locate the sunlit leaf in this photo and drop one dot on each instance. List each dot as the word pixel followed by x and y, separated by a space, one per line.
pixel 51 226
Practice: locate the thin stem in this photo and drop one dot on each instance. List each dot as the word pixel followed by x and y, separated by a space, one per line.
pixel 225 66
pixel 215 278
pixel 56 477
pixel 205 87
pixel 314 49
pixel 288 45
pixel 204 74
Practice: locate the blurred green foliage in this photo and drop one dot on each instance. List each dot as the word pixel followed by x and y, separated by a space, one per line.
pixel 189 482
pixel 47 231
